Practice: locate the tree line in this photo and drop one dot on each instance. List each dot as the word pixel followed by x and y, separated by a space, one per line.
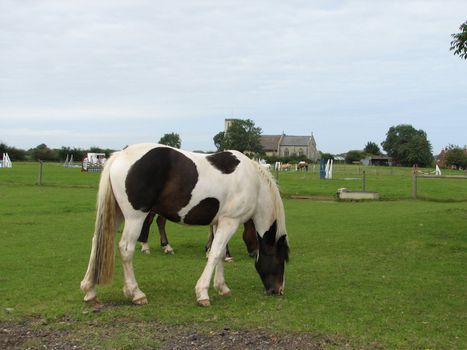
pixel 44 153
pixel 407 146
pixel 404 144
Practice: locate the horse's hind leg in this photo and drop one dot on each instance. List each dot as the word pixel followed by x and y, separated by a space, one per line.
pixel 127 249
pixel 144 235
pixel 161 221
pixel 88 284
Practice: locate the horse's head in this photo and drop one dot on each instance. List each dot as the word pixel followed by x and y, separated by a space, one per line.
pixel 270 262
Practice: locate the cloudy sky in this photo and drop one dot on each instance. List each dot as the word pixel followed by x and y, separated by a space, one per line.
pixel 115 72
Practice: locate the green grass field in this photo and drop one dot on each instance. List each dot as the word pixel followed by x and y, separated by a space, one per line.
pixel 390 183
pixel 388 274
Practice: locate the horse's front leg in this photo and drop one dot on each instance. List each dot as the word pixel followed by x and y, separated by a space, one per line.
pixel 228 257
pixel 224 231
pixel 207 247
pixel 219 279
pixel 127 249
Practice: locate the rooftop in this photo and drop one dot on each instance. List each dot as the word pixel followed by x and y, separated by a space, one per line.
pixel 295 140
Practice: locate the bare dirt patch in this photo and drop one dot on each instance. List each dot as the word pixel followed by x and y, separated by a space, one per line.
pixel 71 335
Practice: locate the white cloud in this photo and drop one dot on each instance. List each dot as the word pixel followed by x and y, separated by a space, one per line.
pixel 294 65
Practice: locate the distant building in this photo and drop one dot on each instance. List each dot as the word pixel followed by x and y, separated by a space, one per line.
pixel 286 145
pixel 441 157
pixel 377 160
pixel 228 123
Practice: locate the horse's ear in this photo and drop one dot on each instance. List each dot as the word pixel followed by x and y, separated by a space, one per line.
pixel 283 248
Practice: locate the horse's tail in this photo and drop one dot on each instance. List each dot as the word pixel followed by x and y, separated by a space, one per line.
pixel 101 261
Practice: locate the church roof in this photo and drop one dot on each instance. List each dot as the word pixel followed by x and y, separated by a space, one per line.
pixel 295 140
pixel 270 142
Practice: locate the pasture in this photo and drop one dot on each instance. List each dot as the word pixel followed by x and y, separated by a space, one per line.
pixel 387 274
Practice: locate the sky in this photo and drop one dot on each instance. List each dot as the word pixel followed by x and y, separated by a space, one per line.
pixel 111 73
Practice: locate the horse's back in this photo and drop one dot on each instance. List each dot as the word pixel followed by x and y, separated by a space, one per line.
pixel 182 186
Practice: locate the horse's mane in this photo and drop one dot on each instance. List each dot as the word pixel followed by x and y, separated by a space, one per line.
pixel 278 204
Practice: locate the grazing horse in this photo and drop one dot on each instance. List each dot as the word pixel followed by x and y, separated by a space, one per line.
pixel 302 165
pixel 223 189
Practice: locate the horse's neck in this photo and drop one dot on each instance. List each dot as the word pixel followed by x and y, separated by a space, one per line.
pixel 266 211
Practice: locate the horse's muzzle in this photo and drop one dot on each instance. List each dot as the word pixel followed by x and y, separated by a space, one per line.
pixel 275 291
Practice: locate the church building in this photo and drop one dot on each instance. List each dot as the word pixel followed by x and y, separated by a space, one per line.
pixel 287 145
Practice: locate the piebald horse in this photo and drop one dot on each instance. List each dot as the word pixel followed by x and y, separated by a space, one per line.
pixel 223 189
pixel 302 165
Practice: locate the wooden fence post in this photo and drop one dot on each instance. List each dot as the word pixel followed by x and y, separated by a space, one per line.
pixel 414 185
pixel 363 181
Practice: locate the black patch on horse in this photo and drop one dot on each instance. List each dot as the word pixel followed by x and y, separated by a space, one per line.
pixel 225 162
pixel 162 180
pixel 203 213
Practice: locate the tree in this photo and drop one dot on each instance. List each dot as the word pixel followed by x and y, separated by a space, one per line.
pixel 456 156
pixel 408 146
pixel 13 153
pixel 459 44
pixel 171 139
pixel 354 156
pixel 372 148
pixel 242 135
pixel 77 153
pixel 219 141
pixel 326 156
pixel 42 152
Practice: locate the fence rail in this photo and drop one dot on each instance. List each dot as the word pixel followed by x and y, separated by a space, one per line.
pixel 415 177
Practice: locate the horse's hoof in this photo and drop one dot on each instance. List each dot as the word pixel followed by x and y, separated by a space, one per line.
pixel 145 251
pixel 204 303
pixel 92 302
pixel 140 301
pixel 229 259
pixel 93 305
pixel 226 294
